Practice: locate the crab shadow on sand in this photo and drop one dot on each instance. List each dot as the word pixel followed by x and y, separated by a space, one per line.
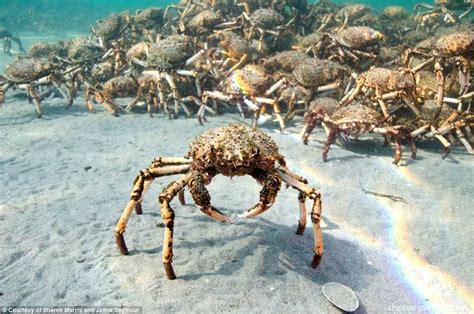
pixel 283 250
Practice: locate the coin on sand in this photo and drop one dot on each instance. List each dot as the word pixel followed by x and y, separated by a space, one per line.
pixel 341 296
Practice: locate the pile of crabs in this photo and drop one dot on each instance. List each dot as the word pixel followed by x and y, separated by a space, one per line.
pixel 403 75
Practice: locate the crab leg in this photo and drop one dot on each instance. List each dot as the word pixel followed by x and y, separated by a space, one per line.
pixel 197 83
pixel 161 95
pixel 307 191
pixel 65 95
pixel 202 109
pixel 469 135
pixel 186 73
pixel 88 93
pixel 140 185
pixel 464 141
pixel 275 87
pixel 194 58
pixel 397 133
pixel 348 98
pixel 382 104
pixel 3 91
pixel 423 65
pixel 275 106
pixel 149 100
pixel 167 214
pixel 329 87
pixel 136 99
pixel 108 103
pixel 441 82
pixel 464 75
pixel 439 136
pixel 466 12
pixel 411 105
pixel 237 65
pixel 168 161
pixel 174 90
pixel 7 44
pixel 330 139
pixel 307 130
pixel 281 121
pixel 36 100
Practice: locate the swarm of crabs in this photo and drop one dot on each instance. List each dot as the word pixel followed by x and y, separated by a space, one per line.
pixel 405 76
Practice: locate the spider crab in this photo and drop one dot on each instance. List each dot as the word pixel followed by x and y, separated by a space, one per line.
pixel 450 127
pixel 441 13
pixel 232 150
pixel 250 86
pixel 7 41
pixel 265 25
pixel 29 74
pixel 166 60
pixel 232 49
pixel 360 45
pixel 382 84
pixel 354 120
pixel 453 49
pixel 120 86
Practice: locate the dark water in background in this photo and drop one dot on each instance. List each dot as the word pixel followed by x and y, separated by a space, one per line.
pixel 50 16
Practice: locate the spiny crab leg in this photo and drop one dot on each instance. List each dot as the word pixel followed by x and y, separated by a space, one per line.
pixel 140 185
pixel 397 133
pixel 464 141
pixel 174 89
pixel 350 97
pixel 186 73
pixel 422 65
pixel 276 86
pixel 226 25
pixel 464 76
pixel 65 95
pixel 461 16
pixel 196 57
pixel 411 105
pixel 307 191
pixel 36 99
pixel 441 83
pixel 141 63
pixel 328 87
pixel 167 214
pixel 237 65
pixel 275 106
pixel 382 104
pixel 3 90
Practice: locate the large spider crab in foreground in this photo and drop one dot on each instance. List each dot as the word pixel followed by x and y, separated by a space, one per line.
pixel 233 150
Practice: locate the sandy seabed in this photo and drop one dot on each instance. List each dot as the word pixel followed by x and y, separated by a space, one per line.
pixel 65 179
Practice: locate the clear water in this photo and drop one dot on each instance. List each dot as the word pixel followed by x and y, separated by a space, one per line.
pixel 57 16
